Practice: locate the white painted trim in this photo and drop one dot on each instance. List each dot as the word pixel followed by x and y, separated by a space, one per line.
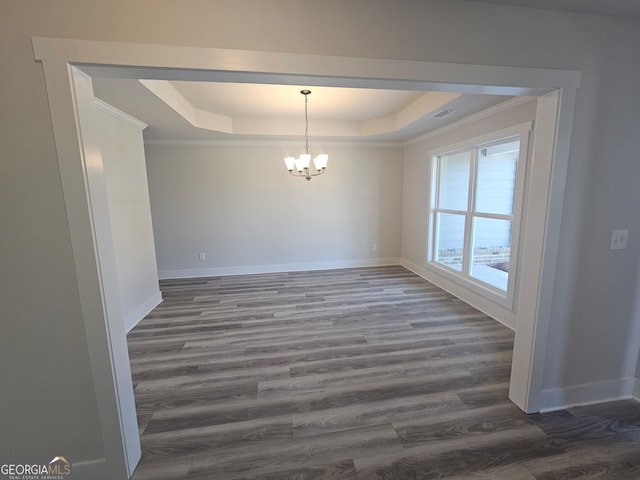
pixel 163 62
pixel 464 280
pixel 542 210
pixel 118 420
pixel 77 137
pixel 586 394
pixel 486 113
pixel 492 309
pixel 460 285
pixel 267 143
pixel 428 104
pixel 205 119
pixel 631 365
pixel 275 268
pixel 95 469
pixel 119 114
pixel 141 311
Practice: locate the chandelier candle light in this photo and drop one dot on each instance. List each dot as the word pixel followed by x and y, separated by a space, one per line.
pixel 302 164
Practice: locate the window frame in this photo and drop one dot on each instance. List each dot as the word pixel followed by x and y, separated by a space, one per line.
pixel 464 278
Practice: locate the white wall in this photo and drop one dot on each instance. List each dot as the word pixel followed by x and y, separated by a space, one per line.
pixel 43 347
pixel 240 207
pixel 592 349
pixel 128 195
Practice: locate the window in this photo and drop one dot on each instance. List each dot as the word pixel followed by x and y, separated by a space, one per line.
pixel 475 206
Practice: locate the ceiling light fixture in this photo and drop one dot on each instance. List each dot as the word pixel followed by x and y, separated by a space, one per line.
pixel 301 166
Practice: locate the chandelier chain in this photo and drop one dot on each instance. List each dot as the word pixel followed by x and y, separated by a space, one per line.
pixel 306 122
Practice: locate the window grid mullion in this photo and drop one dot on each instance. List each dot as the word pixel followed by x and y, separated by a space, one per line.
pixel 452 211
pixel 468 220
pixel 473 151
pixel 436 212
pixel 496 216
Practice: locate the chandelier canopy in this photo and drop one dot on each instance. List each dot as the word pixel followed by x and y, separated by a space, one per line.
pixel 301 166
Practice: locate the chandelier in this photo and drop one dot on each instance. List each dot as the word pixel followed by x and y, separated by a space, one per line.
pixel 301 166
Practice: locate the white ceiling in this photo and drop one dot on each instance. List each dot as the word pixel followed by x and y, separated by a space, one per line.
pixel 326 103
pixel 232 111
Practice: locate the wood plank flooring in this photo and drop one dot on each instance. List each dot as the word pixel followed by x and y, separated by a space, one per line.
pixel 364 374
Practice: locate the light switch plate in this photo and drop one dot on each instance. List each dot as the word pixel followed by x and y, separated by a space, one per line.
pixel 619 239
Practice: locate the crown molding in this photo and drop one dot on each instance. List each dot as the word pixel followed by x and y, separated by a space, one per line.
pixel 488 112
pixel 267 143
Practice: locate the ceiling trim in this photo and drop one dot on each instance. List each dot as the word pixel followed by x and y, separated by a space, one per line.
pixel 487 112
pixel 425 105
pixel 167 93
pixel 267 143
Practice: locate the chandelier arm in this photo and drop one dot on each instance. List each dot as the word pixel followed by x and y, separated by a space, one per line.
pixel 305 174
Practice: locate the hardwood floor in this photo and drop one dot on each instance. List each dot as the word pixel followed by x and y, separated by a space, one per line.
pixel 361 374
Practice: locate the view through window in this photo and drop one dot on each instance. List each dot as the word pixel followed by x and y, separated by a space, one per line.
pixel 473 215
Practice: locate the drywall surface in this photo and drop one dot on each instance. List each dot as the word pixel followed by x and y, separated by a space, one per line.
pixel 128 195
pixel 240 208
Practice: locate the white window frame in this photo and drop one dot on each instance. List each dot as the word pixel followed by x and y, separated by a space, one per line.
pixel 462 278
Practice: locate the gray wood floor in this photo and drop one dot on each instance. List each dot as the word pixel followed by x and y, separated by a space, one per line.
pixel 349 374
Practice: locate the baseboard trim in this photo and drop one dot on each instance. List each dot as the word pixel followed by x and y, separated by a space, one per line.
pixel 141 311
pixel 94 469
pixel 495 311
pixel 587 394
pixel 275 268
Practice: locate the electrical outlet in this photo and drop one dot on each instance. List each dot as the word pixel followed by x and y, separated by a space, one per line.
pixel 619 239
pixel 203 257
pixel 374 247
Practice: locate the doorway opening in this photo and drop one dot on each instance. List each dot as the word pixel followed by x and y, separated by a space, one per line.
pixel 69 66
